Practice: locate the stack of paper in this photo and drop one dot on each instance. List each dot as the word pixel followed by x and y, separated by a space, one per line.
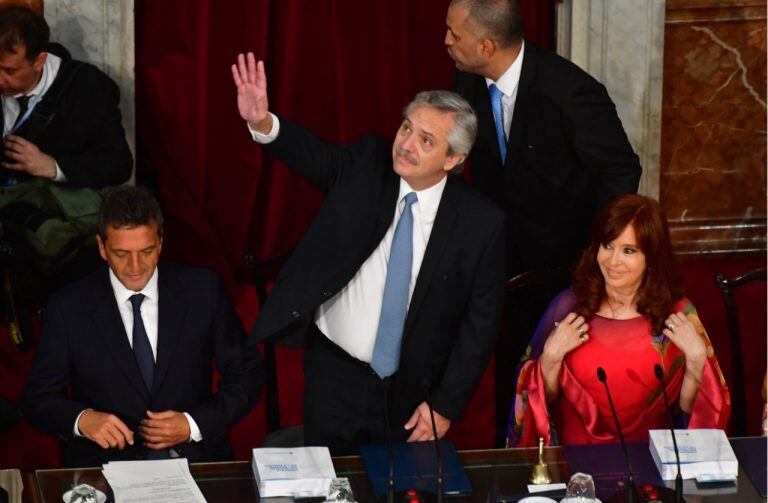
pixel 299 472
pixel 161 481
pixel 704 454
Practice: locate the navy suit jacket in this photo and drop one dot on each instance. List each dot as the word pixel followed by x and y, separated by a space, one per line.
pixel 84 349
pixel 567 155
pixel 452 321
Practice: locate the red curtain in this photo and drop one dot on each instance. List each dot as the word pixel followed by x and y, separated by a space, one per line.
pixel 340 67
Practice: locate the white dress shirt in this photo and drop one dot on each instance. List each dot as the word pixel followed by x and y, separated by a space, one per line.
pixel 11 105
pixel 149 315
pixel 351 317
pixel 508 84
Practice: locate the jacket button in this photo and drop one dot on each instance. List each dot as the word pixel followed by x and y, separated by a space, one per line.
pixel 327 293
pixel 295 314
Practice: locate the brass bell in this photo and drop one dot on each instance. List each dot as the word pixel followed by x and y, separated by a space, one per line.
pixel 540 473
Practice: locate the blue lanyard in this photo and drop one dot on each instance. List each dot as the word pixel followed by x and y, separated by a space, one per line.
pixel 19 122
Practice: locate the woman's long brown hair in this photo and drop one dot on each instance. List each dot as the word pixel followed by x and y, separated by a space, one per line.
pixel 659 287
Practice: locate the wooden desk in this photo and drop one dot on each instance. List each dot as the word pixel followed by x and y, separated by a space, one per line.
pixel 491 472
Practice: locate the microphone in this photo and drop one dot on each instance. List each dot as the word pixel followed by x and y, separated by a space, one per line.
pixel 437 448
pixel 631 492
pixel 390 453
pixel 659 373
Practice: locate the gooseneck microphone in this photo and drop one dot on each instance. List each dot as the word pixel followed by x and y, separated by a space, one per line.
pixel 438 458
pixel 659 373
pixel 631 491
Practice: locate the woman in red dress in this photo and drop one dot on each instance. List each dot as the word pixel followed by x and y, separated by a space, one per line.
pixel 625 314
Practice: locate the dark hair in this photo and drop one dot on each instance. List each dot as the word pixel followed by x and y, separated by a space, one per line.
pixel 499 20
pixel 128 206
pixel 659 288
pixel 21 26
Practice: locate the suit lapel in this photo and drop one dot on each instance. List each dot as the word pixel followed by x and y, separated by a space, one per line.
pixel 516 140
pixel 438 242
pixel 171 313
pixel 110 326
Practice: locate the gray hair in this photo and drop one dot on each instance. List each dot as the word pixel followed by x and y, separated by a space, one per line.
pixel 462 135
pixel 499 20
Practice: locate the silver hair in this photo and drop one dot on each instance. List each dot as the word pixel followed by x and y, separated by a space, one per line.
pixel 462 135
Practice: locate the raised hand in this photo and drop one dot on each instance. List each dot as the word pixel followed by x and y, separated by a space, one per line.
pixel 251 82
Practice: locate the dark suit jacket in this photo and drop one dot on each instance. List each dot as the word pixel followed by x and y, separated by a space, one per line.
pixel 567 155
pixel 452 320
pixel 78 123
pixel 84 348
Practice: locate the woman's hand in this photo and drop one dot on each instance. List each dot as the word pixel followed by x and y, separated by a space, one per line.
pixel 682 332
pixel 568 334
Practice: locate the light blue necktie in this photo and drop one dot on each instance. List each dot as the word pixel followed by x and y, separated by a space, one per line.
pixel 141 347
pixel 498 119
pixel 394 304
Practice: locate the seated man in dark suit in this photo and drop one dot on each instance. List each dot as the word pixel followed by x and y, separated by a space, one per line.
pixel 399 278
pixel 134 344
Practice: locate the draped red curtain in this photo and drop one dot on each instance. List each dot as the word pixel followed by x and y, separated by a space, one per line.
pixel 340 67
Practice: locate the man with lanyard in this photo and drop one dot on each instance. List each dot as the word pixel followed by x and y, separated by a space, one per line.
pixel 62 138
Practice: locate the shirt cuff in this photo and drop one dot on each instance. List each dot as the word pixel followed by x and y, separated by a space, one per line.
pixel 194 431
pixel 77 419
pixel 60 176
pixel 269 137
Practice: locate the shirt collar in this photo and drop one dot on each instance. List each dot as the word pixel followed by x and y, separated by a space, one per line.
pixel 509 80
pixel 50 67
pixel 429 199
pixel 122 294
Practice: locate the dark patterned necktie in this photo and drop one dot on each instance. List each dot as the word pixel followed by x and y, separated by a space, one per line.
pixel 141 347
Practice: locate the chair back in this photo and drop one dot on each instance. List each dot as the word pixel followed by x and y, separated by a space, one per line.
pixel 738 400
pixel 526 298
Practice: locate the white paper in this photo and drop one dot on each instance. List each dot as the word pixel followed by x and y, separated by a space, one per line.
pixel 705 452
pixel 160 481
pixel 537 488
pixel 301 471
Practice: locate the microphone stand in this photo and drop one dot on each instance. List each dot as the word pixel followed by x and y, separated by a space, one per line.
pixel 659 373
pixel 631 491
pixel 390 453
pixel 437 449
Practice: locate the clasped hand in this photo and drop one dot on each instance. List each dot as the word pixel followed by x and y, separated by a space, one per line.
pixel 27 157
pixel 159 431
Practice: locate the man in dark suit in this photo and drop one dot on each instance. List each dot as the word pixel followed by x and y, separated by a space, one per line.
pixel 551 151
pixel 134 345
pixel 397 284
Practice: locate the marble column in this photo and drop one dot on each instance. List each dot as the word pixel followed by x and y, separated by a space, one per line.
pixel 621 44
pixel 100 32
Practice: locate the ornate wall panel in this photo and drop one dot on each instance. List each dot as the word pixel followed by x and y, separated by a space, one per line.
pixel 713 135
